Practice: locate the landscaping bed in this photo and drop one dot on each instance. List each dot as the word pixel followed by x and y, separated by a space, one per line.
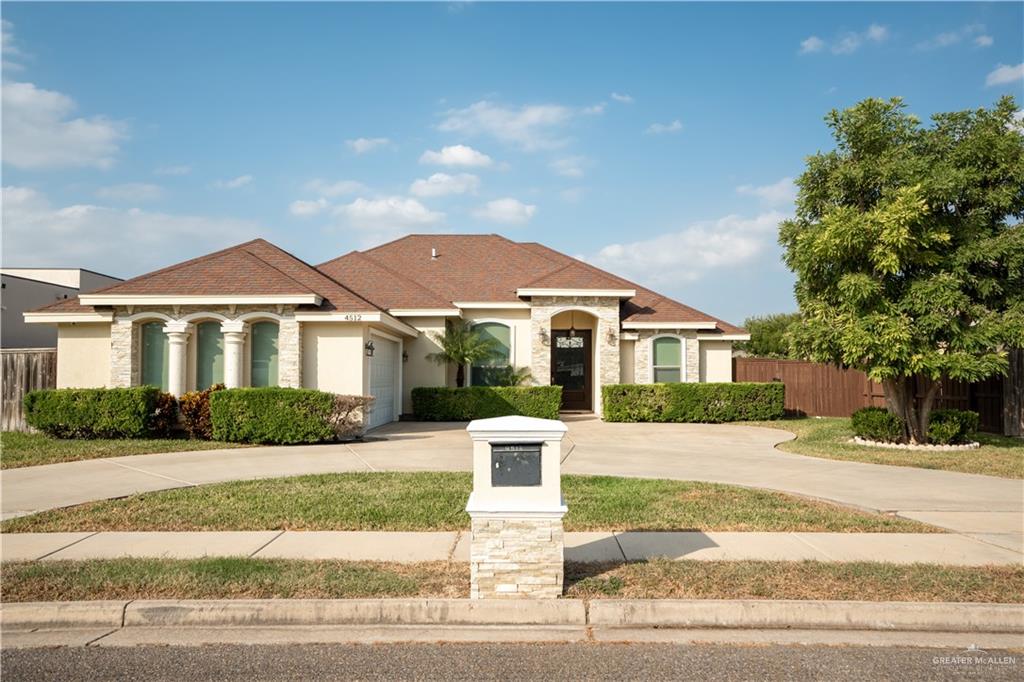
pixel 829 437
pixel 19 449
pixel 435 501
pixel 297 579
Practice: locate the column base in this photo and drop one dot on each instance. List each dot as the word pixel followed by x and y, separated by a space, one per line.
pixel 516 557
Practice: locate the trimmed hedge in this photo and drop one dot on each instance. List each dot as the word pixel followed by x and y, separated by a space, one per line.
pixel 693 402
pixel 195 412
pixel 948 427
pixel 285 415
pixel 101 412
pixel 878 424
pixel 480 402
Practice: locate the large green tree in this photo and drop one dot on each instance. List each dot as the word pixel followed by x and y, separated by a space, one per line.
pixel 908 248
pixel 768 335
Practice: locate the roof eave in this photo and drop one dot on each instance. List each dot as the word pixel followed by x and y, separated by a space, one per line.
pixel 211 299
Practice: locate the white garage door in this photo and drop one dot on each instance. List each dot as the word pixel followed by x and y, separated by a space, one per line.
pixel 383 381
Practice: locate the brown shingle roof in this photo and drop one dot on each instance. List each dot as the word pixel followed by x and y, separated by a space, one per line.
pixel 390 288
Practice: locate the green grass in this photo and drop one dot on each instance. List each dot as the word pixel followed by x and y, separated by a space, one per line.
pixel 829 437
pixel 434 501
pixel 660 579
pixel 19 449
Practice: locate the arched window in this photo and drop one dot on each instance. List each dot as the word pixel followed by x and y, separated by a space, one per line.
pixel 485 372
pixel 263 366
pixel 154 355
pixel 209 355
pixel 667 360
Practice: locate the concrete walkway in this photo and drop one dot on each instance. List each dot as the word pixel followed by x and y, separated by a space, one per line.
pixel 984 507
pixel 937 548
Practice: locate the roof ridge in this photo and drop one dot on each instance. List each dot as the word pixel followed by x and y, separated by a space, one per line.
pixel 252 255
pixel 318 272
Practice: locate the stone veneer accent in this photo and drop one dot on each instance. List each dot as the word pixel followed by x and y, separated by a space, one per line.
pixel 642 367
pixel 516 558
pixel 605 340
pixel 126 341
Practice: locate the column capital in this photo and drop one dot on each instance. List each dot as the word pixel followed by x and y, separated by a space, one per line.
pixel 177 327
pixel 233 327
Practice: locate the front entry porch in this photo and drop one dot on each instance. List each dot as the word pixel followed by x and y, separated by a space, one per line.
pixel 572 368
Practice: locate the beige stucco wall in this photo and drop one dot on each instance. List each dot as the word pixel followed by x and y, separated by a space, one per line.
pixel 418 371
pixel 333 358
pixel 83 355
pixel 716 360
pixel 627 361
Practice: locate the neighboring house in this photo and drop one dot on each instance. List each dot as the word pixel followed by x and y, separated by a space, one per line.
pixel 29 288
pixel 254 315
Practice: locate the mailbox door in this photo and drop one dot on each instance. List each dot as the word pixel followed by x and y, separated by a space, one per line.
pixel 516 465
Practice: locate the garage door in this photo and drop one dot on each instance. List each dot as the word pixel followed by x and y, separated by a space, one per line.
pixel 383 381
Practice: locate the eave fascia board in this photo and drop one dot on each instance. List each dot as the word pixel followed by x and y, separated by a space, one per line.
pixel 492 305
pixel 611 293
pixel 668 325
pixel 723 337
pixel 399 326
pixel 165 299
pixel 63 318
pixel 425 312
pixel 383 319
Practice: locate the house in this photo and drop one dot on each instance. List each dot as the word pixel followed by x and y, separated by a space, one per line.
pixel 29 288
pixel 254 315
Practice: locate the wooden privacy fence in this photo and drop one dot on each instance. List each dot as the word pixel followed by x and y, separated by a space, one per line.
pixel 24 370
pixel 820 390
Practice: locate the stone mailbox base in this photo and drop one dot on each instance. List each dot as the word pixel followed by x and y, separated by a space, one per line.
pixel 515 557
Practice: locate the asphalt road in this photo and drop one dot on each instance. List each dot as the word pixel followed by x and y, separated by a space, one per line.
pixel 518 662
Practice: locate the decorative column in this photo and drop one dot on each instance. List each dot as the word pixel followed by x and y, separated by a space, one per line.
pixel 177 355
pixel 234 346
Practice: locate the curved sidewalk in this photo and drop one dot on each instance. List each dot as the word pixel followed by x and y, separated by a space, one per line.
pixel 985 507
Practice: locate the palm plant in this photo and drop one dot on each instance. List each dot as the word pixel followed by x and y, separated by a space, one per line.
pixel 461 346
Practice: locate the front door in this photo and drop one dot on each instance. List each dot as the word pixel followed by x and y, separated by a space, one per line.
pixel 571 368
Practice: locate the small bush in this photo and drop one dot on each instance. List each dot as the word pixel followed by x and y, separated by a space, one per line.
pixel 285 415
pixel 481 402
pixel 952 426
pixel 165 416
pixel 134 412
pixel 878 424
pixel 195 412
pixel 693 402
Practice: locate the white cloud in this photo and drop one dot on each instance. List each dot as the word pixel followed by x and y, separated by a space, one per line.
pixel 39 133
pixel 949 38
pixel 8 46
pixel 781 192
pixel 848 42
pixel 173 170
pixel 508 211
pixel 131 191
pixel 233 183
pixel 442 184
pixel 595 109
pixel 812 44
pixel 1004 74
pixel 305 208
pixel 362 145
pixel 570 167
pixel 457 155
pixel 688 254
pixel 662 128
pixel 984 41
pixel 336 188
pixel 624 98
pixel 531 127
pixel 81 235
pixel 387 213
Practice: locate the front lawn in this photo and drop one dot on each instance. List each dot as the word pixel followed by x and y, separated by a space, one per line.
pixel 829 437
pixel 19 449
pixel 434 501
pixel 660 579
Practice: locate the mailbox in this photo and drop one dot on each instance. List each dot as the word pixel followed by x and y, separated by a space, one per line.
pixel 516 508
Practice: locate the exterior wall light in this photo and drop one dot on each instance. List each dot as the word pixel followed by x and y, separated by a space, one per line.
pixel 369 349
pixel 405 356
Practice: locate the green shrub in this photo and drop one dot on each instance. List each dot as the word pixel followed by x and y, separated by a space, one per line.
pixel 134 412
pixel 878 424
pixel 952 426
pixel 195 412
pixel 165 416
pixel 285 415
pixel 481 402
pixel 686 402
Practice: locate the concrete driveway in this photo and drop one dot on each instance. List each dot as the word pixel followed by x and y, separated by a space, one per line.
pixel 985 507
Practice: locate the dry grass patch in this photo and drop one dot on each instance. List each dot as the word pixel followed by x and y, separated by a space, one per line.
pixel 435 501
pixel 33 449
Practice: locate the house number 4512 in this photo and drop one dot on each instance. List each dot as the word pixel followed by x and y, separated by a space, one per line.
pixel 353 318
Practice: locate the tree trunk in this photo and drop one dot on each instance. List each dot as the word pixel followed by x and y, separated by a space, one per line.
pixel 460 375
pixel 1013 395
pixel 900 398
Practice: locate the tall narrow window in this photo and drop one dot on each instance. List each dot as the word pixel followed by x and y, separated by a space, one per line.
pixel 668 360
pixel 263 371
pixel 154 355
pixel 209 355
pixel 486 372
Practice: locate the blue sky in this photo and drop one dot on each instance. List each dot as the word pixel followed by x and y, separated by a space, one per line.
pixel 655 140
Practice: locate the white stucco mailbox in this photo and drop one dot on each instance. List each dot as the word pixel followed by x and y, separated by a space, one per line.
pixel 516 508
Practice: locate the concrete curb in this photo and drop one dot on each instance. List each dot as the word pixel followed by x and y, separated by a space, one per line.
pixel 600 613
